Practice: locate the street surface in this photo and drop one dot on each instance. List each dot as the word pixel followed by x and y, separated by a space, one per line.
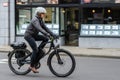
pixel 87 68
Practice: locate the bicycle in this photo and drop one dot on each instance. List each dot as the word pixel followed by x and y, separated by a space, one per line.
pixel 57 60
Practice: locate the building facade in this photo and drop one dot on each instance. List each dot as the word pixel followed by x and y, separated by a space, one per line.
pixel 82 23
pixel 7 22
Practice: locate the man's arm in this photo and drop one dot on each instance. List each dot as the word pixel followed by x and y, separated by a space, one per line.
pixel 37 25
pixel 47 29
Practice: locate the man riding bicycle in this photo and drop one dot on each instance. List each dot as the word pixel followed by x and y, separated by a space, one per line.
pixel 31 35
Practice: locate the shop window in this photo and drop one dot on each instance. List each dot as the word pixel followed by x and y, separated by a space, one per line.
pixel 69 1
pixel 23 2
pixel 101 22
pixel 22 20
pixel 23 17
pixel 99 1
pixel 46 1
pixel 51 19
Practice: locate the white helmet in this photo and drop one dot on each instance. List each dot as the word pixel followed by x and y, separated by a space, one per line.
pixel 40 10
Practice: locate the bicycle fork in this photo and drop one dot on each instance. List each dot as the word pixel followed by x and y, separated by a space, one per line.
pixel 58 57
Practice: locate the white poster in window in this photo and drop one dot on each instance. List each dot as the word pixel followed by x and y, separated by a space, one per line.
pixel 91 32
pixel 24 26
pixel 107 27
pixel 115 33
pixel 92 27
pixel 56 26
pixel 84 32
pixel 49 26
pixel 55 31
pixel 115 27
pixel 85 27
pixel 99 33
pixel 106 32
pixel 100 27
pixel 22 31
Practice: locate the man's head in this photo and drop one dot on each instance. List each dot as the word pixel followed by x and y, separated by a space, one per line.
pixel 40 11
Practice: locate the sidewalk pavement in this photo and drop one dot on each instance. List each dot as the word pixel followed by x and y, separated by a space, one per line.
pixel 93 52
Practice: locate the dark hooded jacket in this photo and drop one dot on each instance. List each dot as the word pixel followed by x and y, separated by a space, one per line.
pixel 37 25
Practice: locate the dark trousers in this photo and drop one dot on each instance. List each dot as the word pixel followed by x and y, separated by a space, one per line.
pixel 37 51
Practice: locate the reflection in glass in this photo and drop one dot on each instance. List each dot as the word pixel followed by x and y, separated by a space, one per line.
pixel 52 1
pixel 24 19
pixel 69 1
pixel 20 2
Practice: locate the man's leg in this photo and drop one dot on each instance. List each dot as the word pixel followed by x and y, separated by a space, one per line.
pixel 33 45
pixel 41 46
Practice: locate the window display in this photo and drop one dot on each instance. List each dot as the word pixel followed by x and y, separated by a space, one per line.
pixel 23 2
pixel 24 17
pixel 100 30
pixel 23 20
pixel 52 1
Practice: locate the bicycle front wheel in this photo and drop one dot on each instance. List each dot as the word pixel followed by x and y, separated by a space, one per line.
pixel 61 63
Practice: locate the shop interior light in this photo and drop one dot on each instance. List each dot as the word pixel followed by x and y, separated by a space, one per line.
pixel 19 2
pixel 109 11
pixel 93 11
pixel 63 11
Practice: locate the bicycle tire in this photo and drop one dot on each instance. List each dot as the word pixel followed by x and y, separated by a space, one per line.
pixel 52 69
pixel 11 66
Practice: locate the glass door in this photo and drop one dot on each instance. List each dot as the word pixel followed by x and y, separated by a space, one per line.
pixel 70 25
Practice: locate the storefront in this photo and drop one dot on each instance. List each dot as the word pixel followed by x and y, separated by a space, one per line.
pixel 83 23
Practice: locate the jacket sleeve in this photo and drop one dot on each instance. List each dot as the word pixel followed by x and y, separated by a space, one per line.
pixel 37 25
pixel 47 29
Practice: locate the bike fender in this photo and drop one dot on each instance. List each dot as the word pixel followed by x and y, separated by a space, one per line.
pixel 9 53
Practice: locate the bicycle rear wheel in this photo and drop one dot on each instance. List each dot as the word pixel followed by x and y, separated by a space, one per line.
pixel 17 65
pixel 62 64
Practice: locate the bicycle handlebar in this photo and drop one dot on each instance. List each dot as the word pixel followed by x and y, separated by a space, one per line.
pixel 52 38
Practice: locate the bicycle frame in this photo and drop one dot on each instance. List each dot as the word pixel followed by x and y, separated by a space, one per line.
pixel 52 46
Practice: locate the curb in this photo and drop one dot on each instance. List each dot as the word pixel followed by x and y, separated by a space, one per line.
pixel 86 55
pixel 97 56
